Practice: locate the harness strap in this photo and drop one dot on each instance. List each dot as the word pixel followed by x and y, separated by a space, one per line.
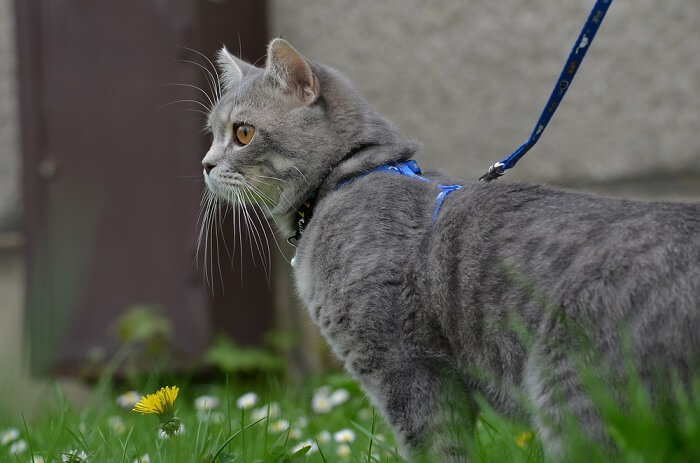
pixel 411 169
pixel 408 169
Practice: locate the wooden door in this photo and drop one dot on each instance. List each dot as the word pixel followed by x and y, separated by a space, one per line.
pixel 112 176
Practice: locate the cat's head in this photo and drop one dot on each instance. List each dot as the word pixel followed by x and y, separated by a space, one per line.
pixel 279 131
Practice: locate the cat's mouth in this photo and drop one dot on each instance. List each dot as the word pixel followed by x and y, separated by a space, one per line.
pixel 225 184
pixel 236 189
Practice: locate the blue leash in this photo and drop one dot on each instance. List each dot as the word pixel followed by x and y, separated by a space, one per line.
pixel 567 75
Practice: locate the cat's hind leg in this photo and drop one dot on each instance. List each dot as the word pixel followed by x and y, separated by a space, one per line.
pixel 553 386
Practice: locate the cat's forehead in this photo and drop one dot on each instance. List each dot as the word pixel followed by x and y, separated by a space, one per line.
pixel 252 98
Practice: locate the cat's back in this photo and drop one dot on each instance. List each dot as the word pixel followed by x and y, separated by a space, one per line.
pixel 604 265
pixel 531 224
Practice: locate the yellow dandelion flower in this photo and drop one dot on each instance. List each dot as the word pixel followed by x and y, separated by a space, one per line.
pixel 523 438
pixel 158 403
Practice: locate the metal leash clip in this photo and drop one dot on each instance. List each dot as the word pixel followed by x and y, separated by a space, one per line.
pixel 493 173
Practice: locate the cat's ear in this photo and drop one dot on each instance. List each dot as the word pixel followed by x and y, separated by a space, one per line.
pixel 288 69
pixel 232 69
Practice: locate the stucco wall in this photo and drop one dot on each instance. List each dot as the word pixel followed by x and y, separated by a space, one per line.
pixel 9 152
pixel 469 80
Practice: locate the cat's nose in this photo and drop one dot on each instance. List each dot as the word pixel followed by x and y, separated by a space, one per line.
pixel 207 166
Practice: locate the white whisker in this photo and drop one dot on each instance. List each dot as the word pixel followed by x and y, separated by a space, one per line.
pixel 186 101
pixel 249 206
pixel 255 190
pixel 211 103
pixel 265 230
pixel 205 196
pixel 264 203
pixel 295 168
pixel 267 263
pixel 218 239
pixel 205 232
pixel 223 212
pixel 192 110
pixel 210 78
pixel 261 193
pixel 281 193
pixel 252 232
pixel 240 233
pixel 216 72
pixel 271 178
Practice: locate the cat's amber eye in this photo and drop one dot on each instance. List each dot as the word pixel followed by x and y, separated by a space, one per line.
pixel 244 133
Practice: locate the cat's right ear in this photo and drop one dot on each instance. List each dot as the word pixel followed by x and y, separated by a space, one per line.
pixel 232 69
pixel 289 71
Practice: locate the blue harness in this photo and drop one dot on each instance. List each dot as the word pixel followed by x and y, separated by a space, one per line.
pixel 411 169
pixel 407 169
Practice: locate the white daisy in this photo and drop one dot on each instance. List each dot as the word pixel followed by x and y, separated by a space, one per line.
pixel 18 447
pixel 206 402
pixel 74 456
pixel 302 422
pixel 364 414
pixel 145 458
pixel 323 436
pixel 339 396
pixel 128 399
pixel 344 436
pixel 247 401
pixel 37 459
pixel 307 443
pixel 116 424
pixel 208 415
pixel 262 412
pixel 279 426
pixel 295 433
pixel 8 436
pixel 320 402
pixel 343 451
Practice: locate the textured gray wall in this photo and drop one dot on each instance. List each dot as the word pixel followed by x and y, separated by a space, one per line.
pixel 469 80
pixel 9 150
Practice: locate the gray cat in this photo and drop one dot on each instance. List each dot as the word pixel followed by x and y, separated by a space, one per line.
pixel 431 296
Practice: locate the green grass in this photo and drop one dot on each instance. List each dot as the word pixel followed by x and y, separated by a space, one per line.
pixel 108 433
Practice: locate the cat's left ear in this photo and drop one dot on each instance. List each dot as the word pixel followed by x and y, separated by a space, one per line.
pixel 232 69
pixel 288 69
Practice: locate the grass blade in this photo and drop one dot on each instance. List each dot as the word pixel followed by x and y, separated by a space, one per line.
pixel 379 443
pixel 226 442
